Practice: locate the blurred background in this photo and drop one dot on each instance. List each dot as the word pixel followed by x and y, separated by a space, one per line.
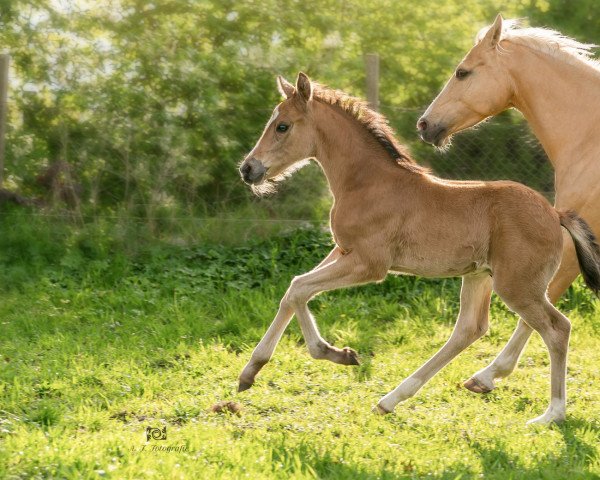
pixel 137 271
pixel 134 114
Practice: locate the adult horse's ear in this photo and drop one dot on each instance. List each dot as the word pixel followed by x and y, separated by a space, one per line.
pixel 493 35
pixel 304 87
pixel 285 88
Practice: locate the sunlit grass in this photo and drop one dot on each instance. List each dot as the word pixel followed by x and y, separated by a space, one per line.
pixel 89 360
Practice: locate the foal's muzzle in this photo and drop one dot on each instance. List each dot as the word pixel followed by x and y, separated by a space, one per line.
pixel 433 133
pixel 252 171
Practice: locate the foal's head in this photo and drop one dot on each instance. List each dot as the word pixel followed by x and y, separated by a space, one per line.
pixel 287 141
pixel 480 87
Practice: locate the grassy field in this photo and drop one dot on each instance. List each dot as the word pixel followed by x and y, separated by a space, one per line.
pixel 102 336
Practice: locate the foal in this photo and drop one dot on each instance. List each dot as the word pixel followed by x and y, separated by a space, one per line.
pixel 390 214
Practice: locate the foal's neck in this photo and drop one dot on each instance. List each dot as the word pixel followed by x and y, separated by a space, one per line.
pixel 350 156
pixel 559 100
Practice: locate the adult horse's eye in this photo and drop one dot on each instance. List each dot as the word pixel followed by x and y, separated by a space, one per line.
pixel 462 73
pixel 282 127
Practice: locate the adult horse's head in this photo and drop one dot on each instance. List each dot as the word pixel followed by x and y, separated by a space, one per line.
pixel 479 88
pixel 287 141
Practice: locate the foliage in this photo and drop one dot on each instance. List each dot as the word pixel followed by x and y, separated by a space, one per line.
pixel 99 342
pixel 131 308
pixel 152 104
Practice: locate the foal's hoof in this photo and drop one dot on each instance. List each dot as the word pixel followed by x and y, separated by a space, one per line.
pixel 379 410
pixel 476 386
pixel 344 356
pixel 351 356
pixel 548 418
pixel 244 385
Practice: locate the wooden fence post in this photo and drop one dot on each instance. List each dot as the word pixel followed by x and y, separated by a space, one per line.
pixel 4 61
pixel 372 68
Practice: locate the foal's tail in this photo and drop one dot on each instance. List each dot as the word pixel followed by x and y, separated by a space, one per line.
pixel 586 247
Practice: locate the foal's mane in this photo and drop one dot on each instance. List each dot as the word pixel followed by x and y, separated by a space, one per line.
pixel 375 123
pixel 547 41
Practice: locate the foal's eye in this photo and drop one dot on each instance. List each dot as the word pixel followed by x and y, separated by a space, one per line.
pixel 282 127
pixel 462 73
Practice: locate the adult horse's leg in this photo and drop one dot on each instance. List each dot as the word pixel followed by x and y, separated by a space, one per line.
pixel 266 347
pixel 506 361
pixel 471 324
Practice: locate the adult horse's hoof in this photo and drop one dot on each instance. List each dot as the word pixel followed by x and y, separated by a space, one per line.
pixel 244 386
pixel 475 386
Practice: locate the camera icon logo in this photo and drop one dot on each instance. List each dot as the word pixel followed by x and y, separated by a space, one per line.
pixel 156 433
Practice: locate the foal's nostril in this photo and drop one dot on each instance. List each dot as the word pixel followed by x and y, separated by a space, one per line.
pixel 245 169
pixel 422 125
pixel 252 171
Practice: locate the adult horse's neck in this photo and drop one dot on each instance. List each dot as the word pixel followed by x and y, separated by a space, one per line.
pixel 559 99
pixel 350 156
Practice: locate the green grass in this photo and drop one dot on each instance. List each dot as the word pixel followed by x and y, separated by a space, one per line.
pixel 95 345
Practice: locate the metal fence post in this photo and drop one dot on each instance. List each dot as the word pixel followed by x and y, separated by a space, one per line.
pixel 4 61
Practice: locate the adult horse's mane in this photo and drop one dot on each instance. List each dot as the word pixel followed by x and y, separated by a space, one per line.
pixel 548 41
pixel 375 123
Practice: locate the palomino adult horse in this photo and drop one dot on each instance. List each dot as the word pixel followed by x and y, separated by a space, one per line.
pixel 553 81
pixel 390 214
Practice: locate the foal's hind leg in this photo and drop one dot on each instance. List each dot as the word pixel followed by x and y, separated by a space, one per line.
pixel 506 361
pixel 472 323
pixel 556 337
pixel 555 328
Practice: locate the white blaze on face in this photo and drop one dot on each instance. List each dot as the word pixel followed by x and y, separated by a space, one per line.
pixel 271 120
pixel 273 117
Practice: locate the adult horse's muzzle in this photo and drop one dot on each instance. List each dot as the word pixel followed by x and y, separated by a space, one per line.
pixel 252 171
pixel 433 133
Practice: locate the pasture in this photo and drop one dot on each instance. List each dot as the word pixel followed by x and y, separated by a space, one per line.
pixel 103 335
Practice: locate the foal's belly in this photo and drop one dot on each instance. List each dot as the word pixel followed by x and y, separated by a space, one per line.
pixel 441 272
pixel 440 266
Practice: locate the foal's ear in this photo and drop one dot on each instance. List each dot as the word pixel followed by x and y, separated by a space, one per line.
pixel 285 88
pixel 492 37
pixel 304 87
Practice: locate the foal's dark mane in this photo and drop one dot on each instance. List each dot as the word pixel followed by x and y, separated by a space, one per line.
pixel 375 123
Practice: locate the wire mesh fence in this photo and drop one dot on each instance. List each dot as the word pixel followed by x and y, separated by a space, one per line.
pixel 503 148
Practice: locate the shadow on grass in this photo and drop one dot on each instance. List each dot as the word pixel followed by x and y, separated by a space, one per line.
pixel 304 460
pixel 573 461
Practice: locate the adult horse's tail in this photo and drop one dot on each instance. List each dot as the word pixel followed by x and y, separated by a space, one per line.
pixel 586 247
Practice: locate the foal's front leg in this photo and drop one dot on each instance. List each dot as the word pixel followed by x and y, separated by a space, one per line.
pixel 266 347
pixel 336 271
pixel 504 364
pixel 471 324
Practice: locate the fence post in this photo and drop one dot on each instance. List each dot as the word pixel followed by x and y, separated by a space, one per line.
pixel 372 68
pixel 4 61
